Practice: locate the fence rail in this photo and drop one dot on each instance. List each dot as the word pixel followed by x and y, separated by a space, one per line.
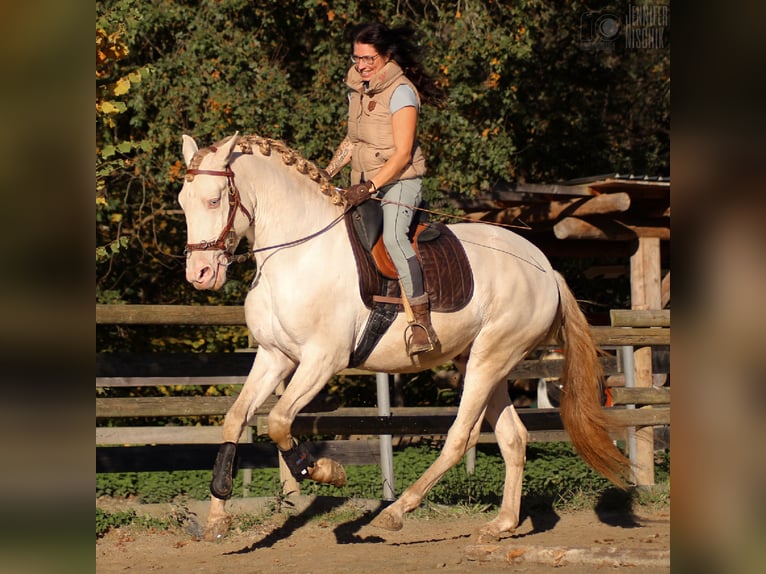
pixel 166 447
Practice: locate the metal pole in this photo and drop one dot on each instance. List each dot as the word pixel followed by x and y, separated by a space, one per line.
pixel 470 460
pixel 386 450
pixel 629 368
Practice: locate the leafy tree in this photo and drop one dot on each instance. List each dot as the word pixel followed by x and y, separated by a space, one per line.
pixel 526 102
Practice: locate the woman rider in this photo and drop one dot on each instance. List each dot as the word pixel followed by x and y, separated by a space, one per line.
pixel 385 84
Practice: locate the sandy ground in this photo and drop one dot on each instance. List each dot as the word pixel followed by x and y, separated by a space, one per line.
pixel 329 536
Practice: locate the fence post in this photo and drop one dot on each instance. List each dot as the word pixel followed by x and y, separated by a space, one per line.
pixel 628 368
pixel 470 460
pixel 386 450
pixel 645 294
pixel 247 473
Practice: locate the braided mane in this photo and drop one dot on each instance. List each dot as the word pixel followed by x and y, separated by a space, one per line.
pixel 266 146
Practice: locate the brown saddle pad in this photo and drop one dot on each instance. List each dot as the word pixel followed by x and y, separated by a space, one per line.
pixel 447 273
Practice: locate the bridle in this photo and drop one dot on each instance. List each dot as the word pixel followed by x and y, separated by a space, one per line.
pixel 226 239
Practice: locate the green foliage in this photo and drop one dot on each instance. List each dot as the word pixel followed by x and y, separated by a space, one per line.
pixel 151 487
pixel 553 472
pixel 526 101
pixel 106 521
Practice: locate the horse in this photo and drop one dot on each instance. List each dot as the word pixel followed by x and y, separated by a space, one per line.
pixel 305 311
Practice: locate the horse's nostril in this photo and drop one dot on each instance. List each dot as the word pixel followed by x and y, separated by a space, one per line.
pixel 202 275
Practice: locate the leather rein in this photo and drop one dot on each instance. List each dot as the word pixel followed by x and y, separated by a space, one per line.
pixel 225 241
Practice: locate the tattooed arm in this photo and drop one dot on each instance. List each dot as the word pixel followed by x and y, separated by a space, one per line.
pixel 341 158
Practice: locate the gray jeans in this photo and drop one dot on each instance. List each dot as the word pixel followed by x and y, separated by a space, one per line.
pixel 399 199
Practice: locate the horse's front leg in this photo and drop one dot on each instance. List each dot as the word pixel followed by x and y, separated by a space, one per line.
pixel 269 369
pixel 307 381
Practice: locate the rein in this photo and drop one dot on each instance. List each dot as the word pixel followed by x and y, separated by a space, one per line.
pixel 445 215
pixel 327 227
pixel 226 239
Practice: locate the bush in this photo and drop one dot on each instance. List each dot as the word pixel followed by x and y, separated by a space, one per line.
pixel 105 521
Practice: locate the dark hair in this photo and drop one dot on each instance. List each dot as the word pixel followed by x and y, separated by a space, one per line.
pixel 398 44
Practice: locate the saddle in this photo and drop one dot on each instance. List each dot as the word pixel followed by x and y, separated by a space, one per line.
pixel 447 275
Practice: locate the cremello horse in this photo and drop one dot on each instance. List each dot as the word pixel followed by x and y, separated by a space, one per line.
pixel 306 313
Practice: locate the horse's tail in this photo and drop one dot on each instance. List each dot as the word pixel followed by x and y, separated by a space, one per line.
pixel 583 381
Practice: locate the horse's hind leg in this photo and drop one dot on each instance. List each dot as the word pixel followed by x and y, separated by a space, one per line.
pixel 512 439
pixel 463 434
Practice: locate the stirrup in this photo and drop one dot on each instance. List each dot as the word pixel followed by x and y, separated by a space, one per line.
pixel 426 347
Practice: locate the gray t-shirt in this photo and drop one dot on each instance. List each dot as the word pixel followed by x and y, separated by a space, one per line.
pixel 402 97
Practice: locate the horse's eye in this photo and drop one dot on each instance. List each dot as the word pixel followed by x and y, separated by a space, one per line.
pixel 214 202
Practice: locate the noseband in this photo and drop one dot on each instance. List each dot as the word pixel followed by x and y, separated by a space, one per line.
pixel 226 239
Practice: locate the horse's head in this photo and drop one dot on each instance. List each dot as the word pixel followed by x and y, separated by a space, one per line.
pixel 216 219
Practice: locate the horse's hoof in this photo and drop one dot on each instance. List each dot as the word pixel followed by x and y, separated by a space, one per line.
pixel 486 535
pixel 387 521
pixel 327 471
pixel 217 529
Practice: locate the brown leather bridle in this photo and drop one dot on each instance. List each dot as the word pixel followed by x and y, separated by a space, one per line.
pixel 226 239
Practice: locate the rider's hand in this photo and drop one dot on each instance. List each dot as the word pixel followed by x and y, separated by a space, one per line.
pixel 359 193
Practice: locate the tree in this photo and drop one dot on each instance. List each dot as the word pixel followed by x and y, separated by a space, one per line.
pixel 526 101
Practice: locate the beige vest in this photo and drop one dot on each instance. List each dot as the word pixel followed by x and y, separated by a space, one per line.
pixel 370 126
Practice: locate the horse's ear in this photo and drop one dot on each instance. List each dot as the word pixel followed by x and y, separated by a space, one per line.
pixel 189 148
pixel 227 149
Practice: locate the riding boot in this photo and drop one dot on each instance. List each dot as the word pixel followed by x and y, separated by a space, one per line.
pixel 422 336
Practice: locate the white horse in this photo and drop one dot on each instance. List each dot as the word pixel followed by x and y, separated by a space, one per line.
pixel 306 313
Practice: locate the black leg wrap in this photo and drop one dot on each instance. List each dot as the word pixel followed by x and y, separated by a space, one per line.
pixel 298 459
pixel 222 484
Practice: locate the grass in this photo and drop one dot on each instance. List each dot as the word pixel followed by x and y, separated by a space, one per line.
pixel 555 479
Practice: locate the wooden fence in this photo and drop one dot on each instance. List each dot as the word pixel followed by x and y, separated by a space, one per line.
pixel 161 446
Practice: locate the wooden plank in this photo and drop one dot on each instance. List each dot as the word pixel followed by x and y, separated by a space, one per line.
pixel 551 368
pixel 512 191
pixel 606 230
pixel 162 406
pixel 129 365
pixel 616 336
pixel 536 215
pixel 123 382
pixel 644 417
pixel 343 421
pixel 533 419
pixel 114 436
pixel 233 369
pixel 603 335
pixel 597 204
pixel 640 317
pixel 645 294
pixel 665 299
pixel 640 396
pixel 179 457
pixel 169 315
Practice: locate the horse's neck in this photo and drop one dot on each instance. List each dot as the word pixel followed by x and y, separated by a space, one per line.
pixel 288 206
